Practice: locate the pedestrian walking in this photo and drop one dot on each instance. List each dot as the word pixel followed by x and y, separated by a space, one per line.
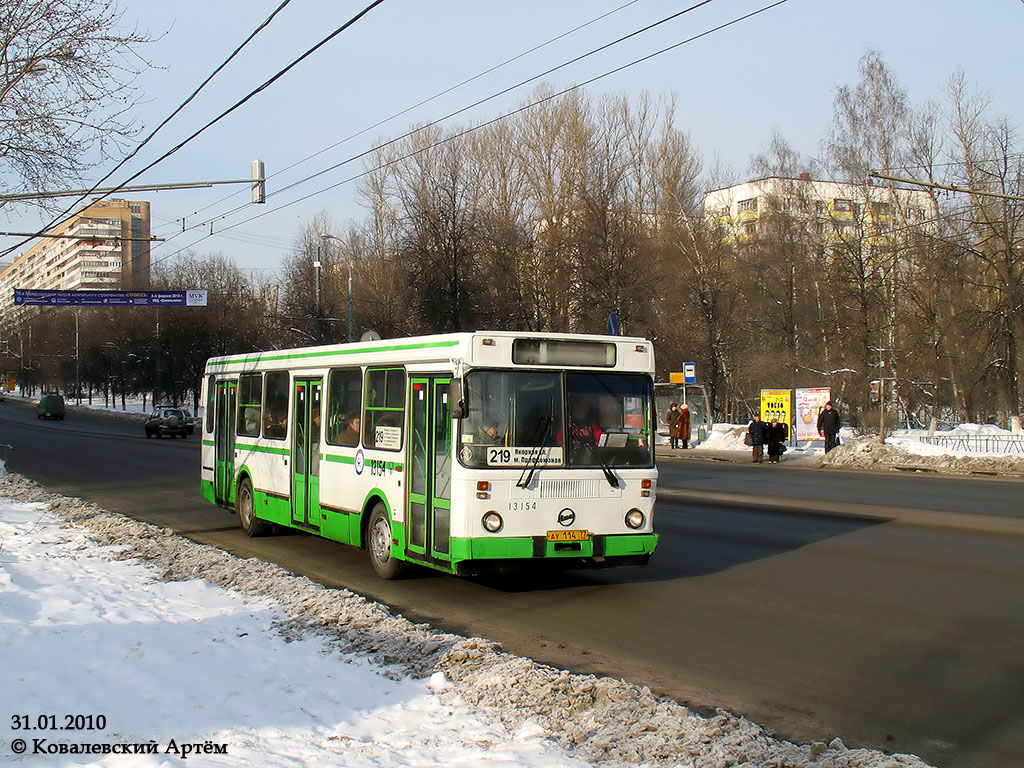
pixel 828 426
pixel 776 435
pixel 672 419
pixel 683 426
pixel 757 432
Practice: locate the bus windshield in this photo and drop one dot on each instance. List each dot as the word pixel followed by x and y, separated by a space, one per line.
pixel 547 419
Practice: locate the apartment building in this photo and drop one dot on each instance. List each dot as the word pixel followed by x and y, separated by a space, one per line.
pixel 104 246
pixel 877 214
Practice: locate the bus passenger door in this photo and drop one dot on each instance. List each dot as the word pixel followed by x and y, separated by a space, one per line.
pixel 306 454
pixel 429 530
pixel 224 442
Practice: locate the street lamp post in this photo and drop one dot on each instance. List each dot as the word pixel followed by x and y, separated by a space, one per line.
pixel 348 336
pixel 78 364
pixel 319 305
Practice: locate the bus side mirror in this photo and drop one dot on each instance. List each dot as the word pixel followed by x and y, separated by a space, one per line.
pixel 456 404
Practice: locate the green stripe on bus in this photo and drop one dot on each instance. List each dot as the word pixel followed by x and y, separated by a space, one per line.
pixel 269 358
pixel 339 459
pixel 263 449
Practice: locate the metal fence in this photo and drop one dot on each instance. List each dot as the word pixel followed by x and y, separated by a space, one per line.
pixel 1013 444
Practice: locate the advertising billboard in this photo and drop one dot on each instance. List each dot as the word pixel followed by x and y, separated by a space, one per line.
pixel 809 403
pixel 777 404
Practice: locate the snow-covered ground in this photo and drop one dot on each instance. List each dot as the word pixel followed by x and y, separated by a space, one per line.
pixel 188 652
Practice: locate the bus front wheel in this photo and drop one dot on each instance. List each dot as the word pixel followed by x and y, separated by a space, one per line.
pixel 379 544
pixel 246 506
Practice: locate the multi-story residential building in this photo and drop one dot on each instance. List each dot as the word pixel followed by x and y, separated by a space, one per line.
pixel 880 215
pixel 104 246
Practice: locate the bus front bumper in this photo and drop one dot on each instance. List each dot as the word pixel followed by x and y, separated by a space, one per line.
pixel 599 551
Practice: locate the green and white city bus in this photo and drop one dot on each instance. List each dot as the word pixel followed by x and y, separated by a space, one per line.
pixel 456 452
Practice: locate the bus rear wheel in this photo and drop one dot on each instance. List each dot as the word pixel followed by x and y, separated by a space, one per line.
pixel 245 504
pixel 379 544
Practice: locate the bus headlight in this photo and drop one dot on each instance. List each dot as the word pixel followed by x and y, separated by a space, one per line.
pixel 635 519
pixel 493 523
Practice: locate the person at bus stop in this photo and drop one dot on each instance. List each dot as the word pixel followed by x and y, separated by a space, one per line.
pixel 828 426
pixel 776 434
pixel 758 432
pixel 682 426
pixel 672 419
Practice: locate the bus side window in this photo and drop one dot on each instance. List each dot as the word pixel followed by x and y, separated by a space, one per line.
pixel 250 394
pixel 385 408
pixel 275 405
pixel 344 396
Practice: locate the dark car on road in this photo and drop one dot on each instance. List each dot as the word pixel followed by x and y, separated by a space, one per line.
pixel 50 406
pixel 167 421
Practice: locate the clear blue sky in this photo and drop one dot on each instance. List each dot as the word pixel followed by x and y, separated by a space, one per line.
pixel 778 69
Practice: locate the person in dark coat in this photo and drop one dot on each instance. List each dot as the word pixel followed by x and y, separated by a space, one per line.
pixel 776 434
pixel 682 428
pixel 672 419
pixel 828 426
pixel 758 435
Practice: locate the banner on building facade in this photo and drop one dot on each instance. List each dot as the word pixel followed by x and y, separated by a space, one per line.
pixel 31 297
pixel 777 404
pixel 809 403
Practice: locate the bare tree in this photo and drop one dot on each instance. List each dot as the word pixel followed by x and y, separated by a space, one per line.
pixel 991 230
pixel 67 73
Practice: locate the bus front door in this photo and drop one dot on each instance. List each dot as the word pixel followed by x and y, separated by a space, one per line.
pixel 306 454
pixel 429 532
pixel 224 442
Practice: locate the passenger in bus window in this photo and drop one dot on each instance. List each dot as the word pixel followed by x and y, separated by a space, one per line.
pixel 350 434
pixel 584 431
pixel 272 425
pixel 490 432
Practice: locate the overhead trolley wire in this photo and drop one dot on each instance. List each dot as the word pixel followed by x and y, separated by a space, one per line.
pixel 427 100
pixel 472 129
pixel 259 89
pixel 60 216
pixel 504 116
pixel 477 103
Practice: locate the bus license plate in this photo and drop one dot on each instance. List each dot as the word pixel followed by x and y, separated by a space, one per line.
pixel 572 535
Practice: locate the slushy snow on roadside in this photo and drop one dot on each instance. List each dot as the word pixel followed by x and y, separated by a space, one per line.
pixel 189 652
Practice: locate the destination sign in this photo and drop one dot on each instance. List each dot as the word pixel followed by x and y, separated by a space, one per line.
pixel 191 298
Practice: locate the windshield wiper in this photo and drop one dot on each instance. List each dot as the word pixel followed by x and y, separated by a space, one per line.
pixel 530 468
pixel 613 481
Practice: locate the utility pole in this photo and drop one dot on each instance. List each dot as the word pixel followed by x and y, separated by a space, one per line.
pixel 881 406
pixel 349 335
pixel 78 369
pixel 319 307
pixel 351 324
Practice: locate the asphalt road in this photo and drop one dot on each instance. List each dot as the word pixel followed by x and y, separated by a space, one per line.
pixel 880 608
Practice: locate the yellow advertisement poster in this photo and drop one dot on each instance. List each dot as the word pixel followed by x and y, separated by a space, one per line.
pixel 777 404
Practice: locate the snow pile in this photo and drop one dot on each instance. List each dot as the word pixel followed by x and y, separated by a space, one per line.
pixel 867 453
pixel 470 702
pixel 724 437
pixel 903 450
